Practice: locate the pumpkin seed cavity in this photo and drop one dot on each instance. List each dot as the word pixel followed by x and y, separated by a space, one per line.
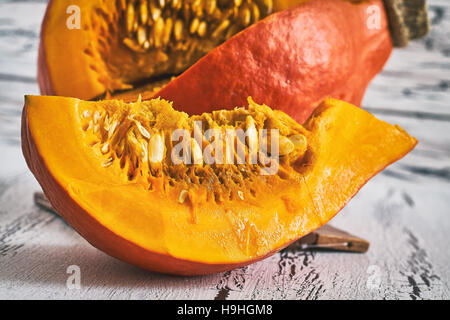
pixel 147 42
pixel 178 24
pixel 137 139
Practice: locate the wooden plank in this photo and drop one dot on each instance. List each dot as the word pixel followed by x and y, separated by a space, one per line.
pixel 37 249
pixel 403 211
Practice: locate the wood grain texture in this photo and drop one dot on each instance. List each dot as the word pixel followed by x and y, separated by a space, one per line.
pixel 403 212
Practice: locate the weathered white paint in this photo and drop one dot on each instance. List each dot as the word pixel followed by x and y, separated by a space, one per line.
pixel 404 211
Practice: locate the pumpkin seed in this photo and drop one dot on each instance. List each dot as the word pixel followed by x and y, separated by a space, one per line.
pixel 266 6
pixel 202 28
pixel 105 148
pixel 131 44
pixel 194 25
pixel 167 31
pixel 142 130
pixel 141 35
pixel 182 197
pixel 97 117
pixel 187 12
pixel 255 12
pixel 245 16
pixel 130 17
pixel 252 135
pixel 178 30
pixel 108 162
pixel 86 114
pixel 143 10
pixel 299 141
pixel 112 129
pixel 156 149
pixel 197 8
pixel 176 4
pixel 196 151
pixel 285 146
pixel 232 31
pixel 158 32
pixel 154 10
pixel 220 29
pixel 210 6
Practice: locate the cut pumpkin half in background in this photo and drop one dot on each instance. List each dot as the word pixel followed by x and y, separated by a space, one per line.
pixel 290 53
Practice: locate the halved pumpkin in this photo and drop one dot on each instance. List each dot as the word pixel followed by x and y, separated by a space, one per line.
pixel 189 51
pixel 107 167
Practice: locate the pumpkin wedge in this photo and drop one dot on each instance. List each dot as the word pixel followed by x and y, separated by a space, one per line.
pixel 108 168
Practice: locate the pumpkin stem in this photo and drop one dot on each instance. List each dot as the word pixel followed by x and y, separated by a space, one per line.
pixel 408 20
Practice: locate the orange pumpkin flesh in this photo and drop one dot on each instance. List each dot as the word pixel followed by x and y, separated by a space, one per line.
pixel 293 59
pixel 230 215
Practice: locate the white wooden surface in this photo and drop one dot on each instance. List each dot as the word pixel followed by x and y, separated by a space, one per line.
pixel 404 211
